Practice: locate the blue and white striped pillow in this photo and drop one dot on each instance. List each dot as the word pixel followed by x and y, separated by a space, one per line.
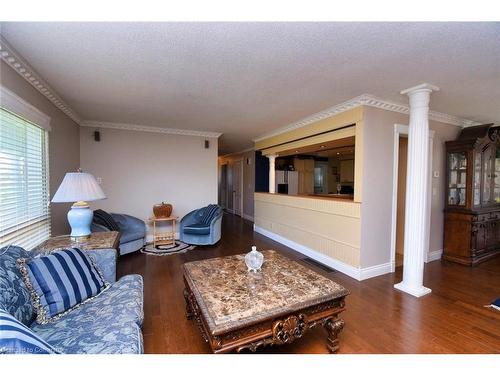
pixel 16 338
pixel 60 281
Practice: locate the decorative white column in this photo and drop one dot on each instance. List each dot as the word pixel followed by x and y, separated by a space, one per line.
pixel 416 191
pixel 272 174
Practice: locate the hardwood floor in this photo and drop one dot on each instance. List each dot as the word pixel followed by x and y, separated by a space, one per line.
pixel 379 318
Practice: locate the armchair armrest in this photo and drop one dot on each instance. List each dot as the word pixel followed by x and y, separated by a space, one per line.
pixel 106 261
pixel 216 228
pixel 216 222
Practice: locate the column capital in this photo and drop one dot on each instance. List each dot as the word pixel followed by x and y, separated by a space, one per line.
pixel 419 88
pixel 272 156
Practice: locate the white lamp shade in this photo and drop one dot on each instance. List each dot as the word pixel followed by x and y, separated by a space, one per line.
pixel 78 186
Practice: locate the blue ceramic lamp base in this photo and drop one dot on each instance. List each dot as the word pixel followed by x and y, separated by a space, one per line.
pixel 80 217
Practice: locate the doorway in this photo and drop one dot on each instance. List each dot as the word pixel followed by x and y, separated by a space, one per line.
pixel 401 200
pixel 223 183
pixel 238 187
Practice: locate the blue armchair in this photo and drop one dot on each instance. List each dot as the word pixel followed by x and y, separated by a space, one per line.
pixel 202 226
pixel 132 230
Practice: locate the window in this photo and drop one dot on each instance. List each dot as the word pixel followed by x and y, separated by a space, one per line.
pixel 24 184
pixel 324 169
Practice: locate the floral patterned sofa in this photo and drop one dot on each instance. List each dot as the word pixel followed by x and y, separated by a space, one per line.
pixel 109 324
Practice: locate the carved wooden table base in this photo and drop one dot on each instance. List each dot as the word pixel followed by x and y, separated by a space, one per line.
pixel 238 310
pixel 278 330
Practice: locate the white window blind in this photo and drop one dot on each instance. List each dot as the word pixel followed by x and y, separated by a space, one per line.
pixel 24 183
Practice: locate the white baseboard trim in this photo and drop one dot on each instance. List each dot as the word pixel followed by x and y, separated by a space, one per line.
pixel 354 272
pixel 374 271
pixel 248 217
pixel 393 266
pixel 433 255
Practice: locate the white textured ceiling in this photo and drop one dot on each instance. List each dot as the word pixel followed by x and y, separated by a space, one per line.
pixel 245 79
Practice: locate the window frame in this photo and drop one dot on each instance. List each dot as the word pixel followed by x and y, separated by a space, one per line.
pixel 17 106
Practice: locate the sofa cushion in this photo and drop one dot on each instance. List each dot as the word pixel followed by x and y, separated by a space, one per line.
pixel 103 218
pixel 14 297
pixel 197 229
pixel 110 323
pixel 131 228
pixel 16 338
pixel 60 281
pixel 131 236
pixel 209 213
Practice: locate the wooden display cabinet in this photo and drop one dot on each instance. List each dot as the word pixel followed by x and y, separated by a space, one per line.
pixel 472 209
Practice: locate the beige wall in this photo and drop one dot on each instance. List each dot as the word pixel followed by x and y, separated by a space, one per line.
pixel 64 146
pixel 139 169
pixel 376 209
pixel 328 227
pixel 248 179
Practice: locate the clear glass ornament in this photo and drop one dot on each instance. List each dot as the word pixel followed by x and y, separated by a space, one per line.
pixel 254 260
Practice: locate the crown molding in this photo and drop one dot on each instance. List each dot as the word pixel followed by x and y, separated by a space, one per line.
pixel 151 129
pixel 237 152
pixel 16 62
pixel 370 101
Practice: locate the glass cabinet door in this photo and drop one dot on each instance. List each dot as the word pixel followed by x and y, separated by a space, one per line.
pixel 496 176
pixel 487 175
pixel 457 178
pixel 477 179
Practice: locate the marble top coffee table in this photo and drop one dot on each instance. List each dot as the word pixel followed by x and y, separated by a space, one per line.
pixel 236 309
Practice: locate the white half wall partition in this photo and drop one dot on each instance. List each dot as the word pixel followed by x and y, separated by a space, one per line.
pixel 325 230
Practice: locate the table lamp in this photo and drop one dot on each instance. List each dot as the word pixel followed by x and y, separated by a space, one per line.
pixel 79 187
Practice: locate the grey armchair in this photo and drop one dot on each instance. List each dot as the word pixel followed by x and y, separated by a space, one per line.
pixel 132 230
pixel 202 226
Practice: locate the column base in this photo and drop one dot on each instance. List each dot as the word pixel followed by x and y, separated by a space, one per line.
pixel 414 291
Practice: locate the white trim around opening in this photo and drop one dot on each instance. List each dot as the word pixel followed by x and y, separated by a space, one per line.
pixel 398 131
pixel 15 104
